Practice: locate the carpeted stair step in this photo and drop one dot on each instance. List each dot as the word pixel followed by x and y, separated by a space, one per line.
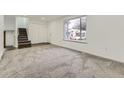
pixel 23 41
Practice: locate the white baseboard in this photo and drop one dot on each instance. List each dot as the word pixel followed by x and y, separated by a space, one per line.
pixel 1 54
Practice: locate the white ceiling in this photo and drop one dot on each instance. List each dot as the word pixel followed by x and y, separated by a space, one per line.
pixel 45 18
pixel 36 18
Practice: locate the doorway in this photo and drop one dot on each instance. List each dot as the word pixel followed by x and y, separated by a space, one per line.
pixel 9 39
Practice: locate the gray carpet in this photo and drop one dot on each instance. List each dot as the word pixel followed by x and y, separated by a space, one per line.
pixel 49 61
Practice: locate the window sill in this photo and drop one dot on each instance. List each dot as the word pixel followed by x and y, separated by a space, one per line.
pixel 77 41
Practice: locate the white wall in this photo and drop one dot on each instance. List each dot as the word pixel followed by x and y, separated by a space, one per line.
pixel 105 35
pixel 37 32
pixel 21 22
pixel 10 38
pixel 1 35
pixel 9 26
pixel 9 22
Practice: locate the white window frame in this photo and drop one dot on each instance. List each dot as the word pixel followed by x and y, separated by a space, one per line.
pixel 72 18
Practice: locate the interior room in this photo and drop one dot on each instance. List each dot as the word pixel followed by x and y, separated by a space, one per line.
pixel 61 46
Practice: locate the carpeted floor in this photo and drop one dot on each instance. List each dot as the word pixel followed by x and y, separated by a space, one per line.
pixel 49 61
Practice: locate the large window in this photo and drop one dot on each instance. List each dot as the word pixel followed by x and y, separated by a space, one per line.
pixel 75 29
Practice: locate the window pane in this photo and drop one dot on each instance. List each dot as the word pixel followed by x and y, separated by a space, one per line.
pixel 74 29
pixel 83 28
pixel 66 30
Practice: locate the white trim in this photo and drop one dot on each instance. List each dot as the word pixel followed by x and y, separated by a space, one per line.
pixel 1 54
pixel 71 18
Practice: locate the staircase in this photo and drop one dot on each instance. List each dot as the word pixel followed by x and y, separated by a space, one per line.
pixel 23 41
